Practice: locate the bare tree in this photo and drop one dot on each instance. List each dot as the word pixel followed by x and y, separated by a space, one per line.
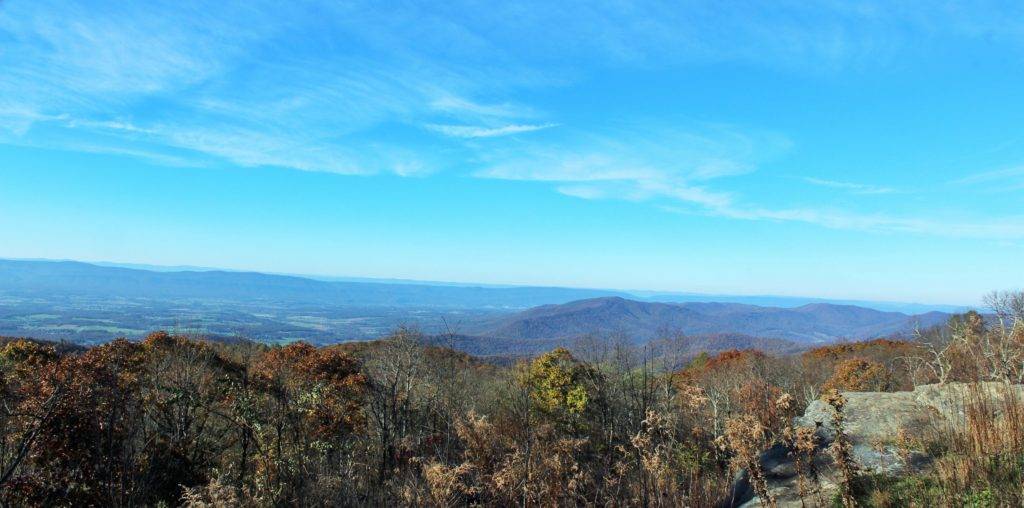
pixel 394 374
pixel 938 348
pixel 1003 344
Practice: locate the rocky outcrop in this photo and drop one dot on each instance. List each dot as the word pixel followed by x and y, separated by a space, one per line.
pixel 878 425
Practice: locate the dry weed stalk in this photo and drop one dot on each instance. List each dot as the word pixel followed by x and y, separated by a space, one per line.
pixel 841 448
pixel 803 445
pixel 745 436
pixel 448 485
pixel 212 495
pixel 660 485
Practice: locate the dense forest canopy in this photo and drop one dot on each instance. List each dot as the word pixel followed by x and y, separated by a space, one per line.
pixel 181 420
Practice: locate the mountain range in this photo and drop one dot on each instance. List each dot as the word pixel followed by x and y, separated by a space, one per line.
pixel 43 277
pixel 820 322
pixel 82 302
pixel 84 279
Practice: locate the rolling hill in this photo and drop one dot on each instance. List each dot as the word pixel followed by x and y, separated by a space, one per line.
pixel 645 320
pixel 83 302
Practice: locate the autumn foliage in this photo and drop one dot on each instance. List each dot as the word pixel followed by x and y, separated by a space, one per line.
pixel 172 420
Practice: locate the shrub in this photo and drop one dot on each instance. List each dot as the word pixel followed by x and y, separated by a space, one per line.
pixel 858 375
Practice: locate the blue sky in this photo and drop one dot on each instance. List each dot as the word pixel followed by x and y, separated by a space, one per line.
pixel 867 150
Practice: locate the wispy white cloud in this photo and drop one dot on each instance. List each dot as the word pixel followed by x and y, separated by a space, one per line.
pixel 156 157
pixel 227 82
pixel 808 36
pixel 254 148
pixel 685 177
pixel 186 145
pixel 326 86
pixel 459 106
pixel 583 191
pixel 856 188
pixel 1000 229
pixel 86 55
pixel 18 118
pixel 472 131
pixel 235 68
pixel 656 163
pixel 1011 175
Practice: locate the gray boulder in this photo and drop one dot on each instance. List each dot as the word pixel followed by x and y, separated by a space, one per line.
pixel 878 425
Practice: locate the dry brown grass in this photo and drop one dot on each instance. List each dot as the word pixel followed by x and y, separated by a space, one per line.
pixel 983 450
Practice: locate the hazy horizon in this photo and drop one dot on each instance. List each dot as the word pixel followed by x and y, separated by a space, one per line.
pixel 638 292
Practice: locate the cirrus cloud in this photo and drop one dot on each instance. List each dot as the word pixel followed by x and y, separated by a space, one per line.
pixel 472 131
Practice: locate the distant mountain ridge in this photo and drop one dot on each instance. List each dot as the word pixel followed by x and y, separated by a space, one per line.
pixel 89 303
pixel 646 320
pixel 76 278
pixel 150 281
